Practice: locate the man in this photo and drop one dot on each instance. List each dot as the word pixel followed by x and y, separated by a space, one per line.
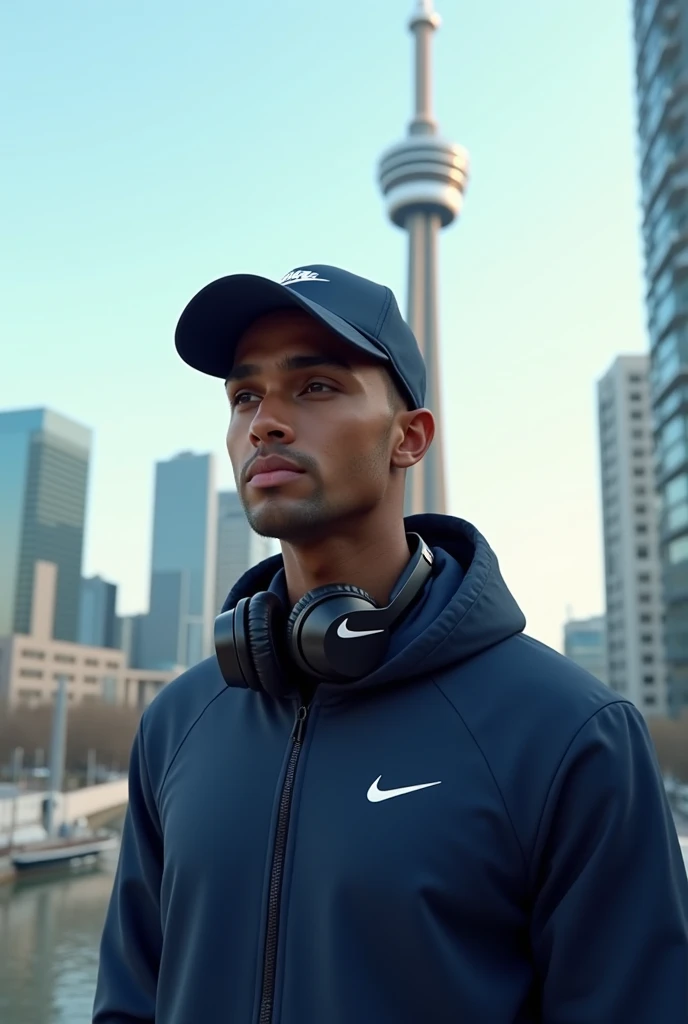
pixel 394 808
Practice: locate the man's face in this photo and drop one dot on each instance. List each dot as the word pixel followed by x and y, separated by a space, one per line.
pixel 298 393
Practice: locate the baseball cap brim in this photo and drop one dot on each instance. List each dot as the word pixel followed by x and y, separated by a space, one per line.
pixel 213 322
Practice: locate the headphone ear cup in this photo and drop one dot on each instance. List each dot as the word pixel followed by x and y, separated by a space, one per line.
pixel 265 630
pixel 306 631
pixel 316 596
pixel 232 646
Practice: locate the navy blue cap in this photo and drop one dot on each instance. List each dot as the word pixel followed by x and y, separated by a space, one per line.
pixel 363 314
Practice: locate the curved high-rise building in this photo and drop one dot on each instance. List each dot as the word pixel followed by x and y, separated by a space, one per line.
pixel 423 180
pixel 661 39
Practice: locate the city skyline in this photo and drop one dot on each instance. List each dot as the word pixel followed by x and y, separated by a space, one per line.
pixel 540 286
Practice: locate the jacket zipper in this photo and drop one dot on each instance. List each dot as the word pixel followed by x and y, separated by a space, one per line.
pixel 275 893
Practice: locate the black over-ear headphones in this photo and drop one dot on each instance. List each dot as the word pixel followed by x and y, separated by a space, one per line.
pixel 334 633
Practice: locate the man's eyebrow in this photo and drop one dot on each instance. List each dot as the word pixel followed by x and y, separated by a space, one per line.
pixel 244 370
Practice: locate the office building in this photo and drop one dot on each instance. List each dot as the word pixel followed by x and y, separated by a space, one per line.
pixel 44 462
pixel 178 627
pixel 31 663
pixel 238 546
pixel 97 613
pixel 423 179
pixel 585 643
pixel 661 37
pixel 128 632
pixel 633 577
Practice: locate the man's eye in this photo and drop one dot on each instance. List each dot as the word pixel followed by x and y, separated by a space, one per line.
pixel 318 386
pixel 241 398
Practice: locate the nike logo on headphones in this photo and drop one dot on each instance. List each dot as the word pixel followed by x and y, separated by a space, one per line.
pixel 345 633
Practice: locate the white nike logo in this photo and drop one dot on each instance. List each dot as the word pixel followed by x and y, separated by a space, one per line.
pixel 298 276
pixel 345 633
pixel 375 795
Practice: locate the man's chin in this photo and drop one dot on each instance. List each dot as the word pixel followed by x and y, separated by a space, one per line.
pixel 285 519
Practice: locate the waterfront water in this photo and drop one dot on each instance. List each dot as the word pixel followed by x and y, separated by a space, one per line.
pixel 49 936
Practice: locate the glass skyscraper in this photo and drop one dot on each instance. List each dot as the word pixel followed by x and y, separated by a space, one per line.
pixel 661 36
pixel 178 628
pixel 44 461
pixel 238 547
pixel 97 613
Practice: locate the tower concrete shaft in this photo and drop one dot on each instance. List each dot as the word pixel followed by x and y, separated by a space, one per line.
pixel 423 180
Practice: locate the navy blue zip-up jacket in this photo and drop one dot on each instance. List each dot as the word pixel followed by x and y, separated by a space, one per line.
pixel 536 876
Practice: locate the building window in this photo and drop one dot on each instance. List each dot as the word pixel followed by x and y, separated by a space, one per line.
pixel 646 618
pixel 61 675
pixel 676 490
pixel 638 471
pixel 33 654
pixel 643 577
pixel 90 679
pixel 90 661
pixel 644 598
pixel 648 680
pixel 111 664
pixel 646 638
pixel 635 396
pixel 641 510
pixel 67 659
pixel 31 673
pixel 637 434
pixel 650 700
pixel 678 551
pixel 641 528
pixel 636 414
pixel 639 491
pixel 648 659
pixel 677 517
pixel 642 552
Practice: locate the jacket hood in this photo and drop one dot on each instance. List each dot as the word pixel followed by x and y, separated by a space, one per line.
pixel 464 608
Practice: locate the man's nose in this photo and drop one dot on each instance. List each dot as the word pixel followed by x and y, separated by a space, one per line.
pixel 270 423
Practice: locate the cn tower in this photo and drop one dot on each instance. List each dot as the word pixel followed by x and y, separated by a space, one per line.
pixel 423 180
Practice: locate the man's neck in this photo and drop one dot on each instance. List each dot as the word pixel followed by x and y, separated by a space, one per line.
pixel 374 562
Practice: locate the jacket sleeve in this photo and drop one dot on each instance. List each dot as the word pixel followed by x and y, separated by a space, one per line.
pixel 609 921
pixel 132 937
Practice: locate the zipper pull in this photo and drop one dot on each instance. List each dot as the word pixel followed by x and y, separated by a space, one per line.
pixel 300 724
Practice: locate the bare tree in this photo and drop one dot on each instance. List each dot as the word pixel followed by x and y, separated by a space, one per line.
pixel 101 727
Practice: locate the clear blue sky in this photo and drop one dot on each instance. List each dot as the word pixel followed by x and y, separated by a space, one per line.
pixel 151 147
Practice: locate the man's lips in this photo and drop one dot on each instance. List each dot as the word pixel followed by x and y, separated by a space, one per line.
pixel 274 477
pixel 272 471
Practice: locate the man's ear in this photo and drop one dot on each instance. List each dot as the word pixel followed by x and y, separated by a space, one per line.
pixel 418 431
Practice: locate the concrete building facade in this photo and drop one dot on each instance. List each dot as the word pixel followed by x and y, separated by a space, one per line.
pixel 32 663
pixel 633 573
